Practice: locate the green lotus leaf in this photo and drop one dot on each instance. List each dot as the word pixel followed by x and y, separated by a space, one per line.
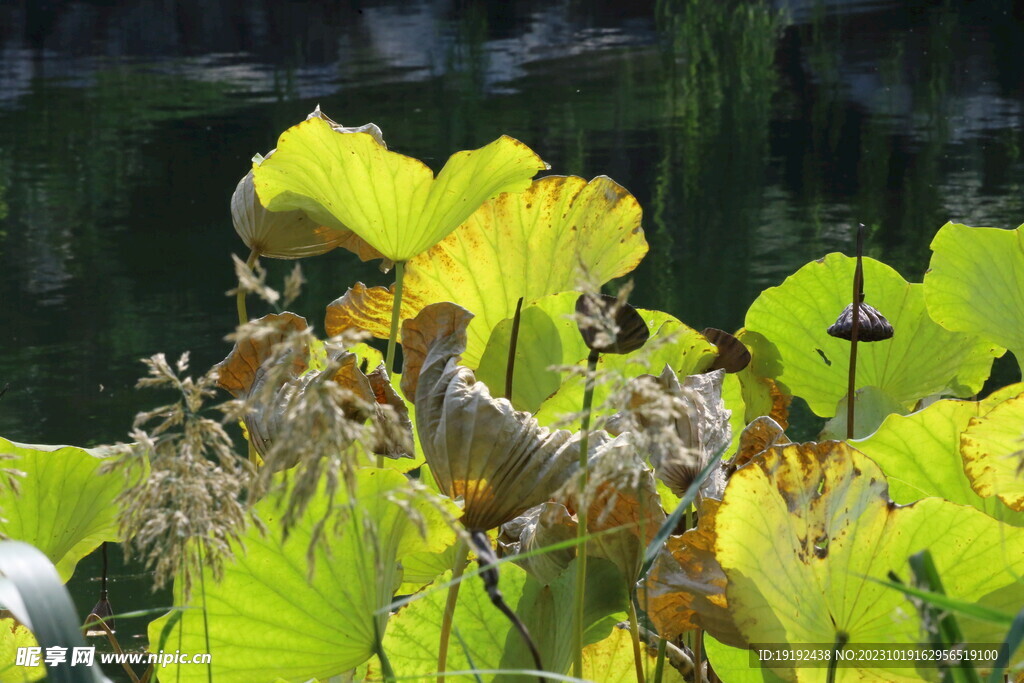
pixel 611 661
pixel 63 505
pixel 732 664
pixel 920 455
pixel 993 450
pixel 391 201
pixel 14 635
pixel 528 245
pixel 672 343
pixel 479 630
pixel 821 512
pixel 922 359
pixel 269 617
pixel 549 614
pixel 871 406
pixel 974 281
pixel 483 638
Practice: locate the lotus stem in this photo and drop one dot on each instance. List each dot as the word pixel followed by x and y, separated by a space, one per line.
pixel 841 640
pixel 461 555
pixel 581 518
pixel 659 667
pixel 510 368
pixel 634 630
pixel 858 294
pixel 396 310
pixel 385 663
pixel 243 315
pixel 396 315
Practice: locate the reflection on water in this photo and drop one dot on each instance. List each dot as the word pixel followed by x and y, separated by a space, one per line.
pixel 755 134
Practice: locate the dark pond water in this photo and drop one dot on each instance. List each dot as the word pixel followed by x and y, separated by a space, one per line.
pixel 754 134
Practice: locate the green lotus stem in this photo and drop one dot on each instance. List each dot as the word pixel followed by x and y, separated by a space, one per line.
pixel 385 663
pixel 858 294
pixel 581 517
pixel 396 310
pixel 461 555
pixel 634 630
pixel 659 667
pixel 396 315
pixel 243 315
pixel 513 342
pixel 841 640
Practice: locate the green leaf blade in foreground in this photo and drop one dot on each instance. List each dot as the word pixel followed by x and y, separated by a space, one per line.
pixel 922 359
pixel 63 506
pixel 974 281
pixel 391 201
pixel 268 618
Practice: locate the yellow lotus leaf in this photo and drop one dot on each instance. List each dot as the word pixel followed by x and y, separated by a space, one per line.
pixel 499 460
pixel 993 450
pixel 611 661
pixel 391 201
pixel 803 530
pixel 293 234
pixel 527 245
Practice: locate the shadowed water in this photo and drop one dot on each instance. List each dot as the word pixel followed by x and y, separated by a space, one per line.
pixel 755 135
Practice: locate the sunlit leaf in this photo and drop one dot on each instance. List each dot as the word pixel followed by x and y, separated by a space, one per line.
pixel 920 455
pixel 391 201
pixel 823 513
pixel 14 635
pixel 63 506
pixel 993 450
pixel 672 343
pixel 270 617
pixel 733 664
pixel 922 359
pixel 487 636
pixel 871 406
pixel 974 281
pixel 517 245
pixel 611 661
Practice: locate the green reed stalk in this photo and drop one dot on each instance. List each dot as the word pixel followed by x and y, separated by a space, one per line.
pixel 581 517
pixel 461 555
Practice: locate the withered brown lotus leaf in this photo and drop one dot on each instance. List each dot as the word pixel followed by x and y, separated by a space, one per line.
pixel 625 505
pixel 872 325
pixel 255 361
pixel 684 425
pixel 609 325
pixel 369 309
pixel 686 587
pixel 237 372
pixel 539 527
pixel 499 460
pixel 757 437
pixel 733 356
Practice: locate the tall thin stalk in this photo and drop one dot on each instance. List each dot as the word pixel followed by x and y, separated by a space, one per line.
pixel 581 517
pixel 461 555
pixel 396 316
pixel 634 629
pixel 513 342
pixel 858 295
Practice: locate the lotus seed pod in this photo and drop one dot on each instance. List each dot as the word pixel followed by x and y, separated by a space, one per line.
pixel 872 325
